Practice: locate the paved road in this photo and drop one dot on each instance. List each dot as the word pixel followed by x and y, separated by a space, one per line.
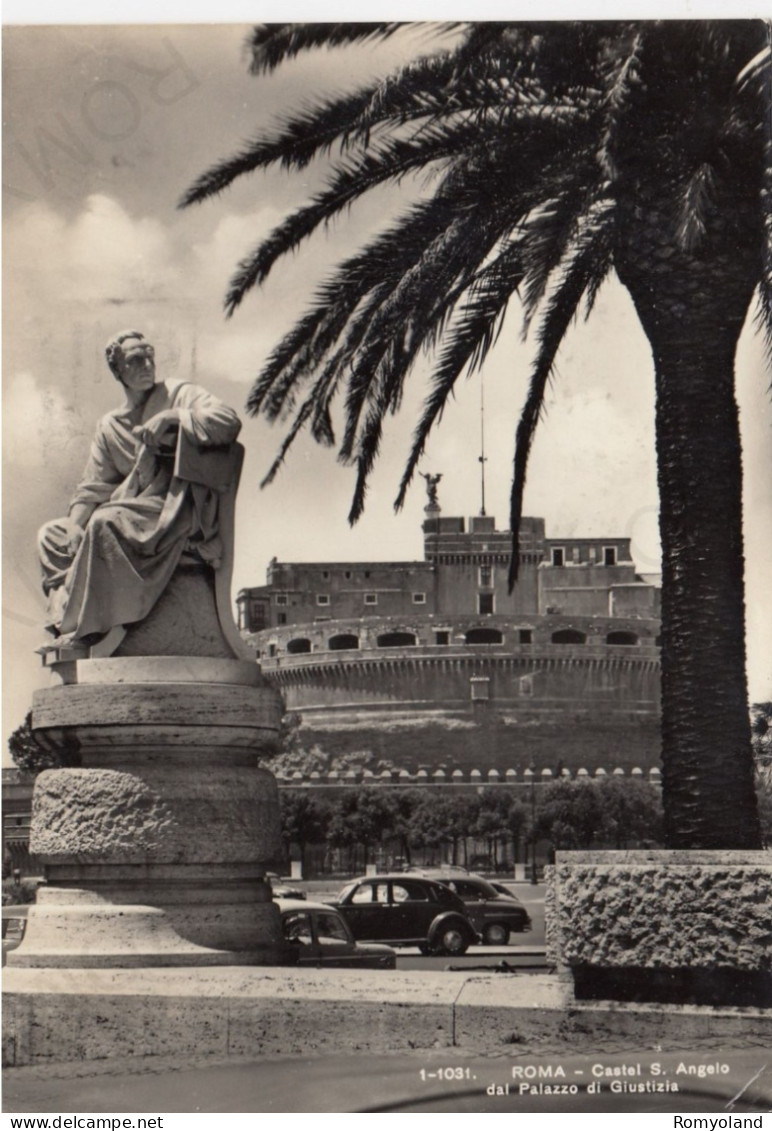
pixel 523 957
pixel 452 1080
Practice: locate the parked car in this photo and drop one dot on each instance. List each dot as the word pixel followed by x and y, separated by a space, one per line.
pixel 14 923
pixel 495 912
pixel 407 910
pixel 324 938
pixel 282 889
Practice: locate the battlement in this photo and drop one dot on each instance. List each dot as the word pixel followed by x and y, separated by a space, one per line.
pixel 463 779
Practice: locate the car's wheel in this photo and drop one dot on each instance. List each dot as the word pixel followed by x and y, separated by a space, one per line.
pixel 425 948
pixel 453 940
pixel 496 934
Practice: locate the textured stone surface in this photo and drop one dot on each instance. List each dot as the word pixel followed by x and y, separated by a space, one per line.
pixel 53 1016
pixel 95 814
pixel 551 935
pixel 663 910
pixel 156 814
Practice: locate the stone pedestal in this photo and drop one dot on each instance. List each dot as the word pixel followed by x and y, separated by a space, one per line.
pixel 157 832
pixel 663 926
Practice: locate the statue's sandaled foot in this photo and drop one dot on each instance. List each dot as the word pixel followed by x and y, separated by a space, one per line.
pixel 68 646
pixel 63 648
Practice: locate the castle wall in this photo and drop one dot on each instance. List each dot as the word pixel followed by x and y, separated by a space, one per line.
pixel 435 662
pixel 514 636
pixel 543 682
pixel 305 592
pixel 464 573
pixel 461 582
pixel 589 590
pixel 466 704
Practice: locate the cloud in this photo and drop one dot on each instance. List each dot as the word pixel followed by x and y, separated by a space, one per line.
pixel 72 283
pixel 102 254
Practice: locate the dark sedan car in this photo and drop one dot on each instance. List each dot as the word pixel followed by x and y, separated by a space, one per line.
pixel 407 910
pixel 322 937
pixel 495 916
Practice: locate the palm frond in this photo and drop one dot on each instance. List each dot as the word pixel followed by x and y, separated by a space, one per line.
pixel 294 361
pixel 390 160
pixel 547 233
pixel 297 140
pixel 764 308
pixel 420 89
pixel 316 407
pixel 374 271
pixel 469 342
pixel 340 365
pixel 582 266
pixel 423 88
pixel 309 406
pixel 436 87
pixel 423 296
pixel 396 336
pixel 299 341
pixel 738 96
pixel 298 424
pixel 394 298
pixel 746 106
pixel 272 44
pixel 622 77
pixel 696 201
pixel 409 318
pixel 600 267
pixel 755 74
pixel 392 157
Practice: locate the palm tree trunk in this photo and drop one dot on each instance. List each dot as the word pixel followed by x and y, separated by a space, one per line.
pixel 693 327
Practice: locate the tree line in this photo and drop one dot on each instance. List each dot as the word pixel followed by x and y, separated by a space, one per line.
pixel 492 827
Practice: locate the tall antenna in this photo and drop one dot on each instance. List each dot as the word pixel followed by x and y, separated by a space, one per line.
pixel 482 456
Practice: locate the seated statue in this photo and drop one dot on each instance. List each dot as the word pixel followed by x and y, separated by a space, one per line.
pixel 148 500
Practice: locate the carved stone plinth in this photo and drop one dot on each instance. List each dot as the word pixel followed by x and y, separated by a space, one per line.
pixel 668 926
pixel 157 833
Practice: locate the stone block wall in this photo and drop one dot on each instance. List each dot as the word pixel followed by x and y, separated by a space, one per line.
pixel 664 925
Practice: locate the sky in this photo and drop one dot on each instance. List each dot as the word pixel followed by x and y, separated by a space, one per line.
pixel 104 128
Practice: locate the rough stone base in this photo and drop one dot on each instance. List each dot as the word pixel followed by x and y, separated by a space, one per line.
pixel 157 831
pixel 666 926
pixel 55 1016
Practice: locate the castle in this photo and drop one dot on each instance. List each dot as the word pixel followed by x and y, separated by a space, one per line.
pixel 434 667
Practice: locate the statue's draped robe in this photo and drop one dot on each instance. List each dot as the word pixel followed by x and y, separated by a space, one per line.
pixel 151 510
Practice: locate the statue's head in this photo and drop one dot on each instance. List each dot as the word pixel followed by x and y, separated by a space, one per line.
pixel 131 358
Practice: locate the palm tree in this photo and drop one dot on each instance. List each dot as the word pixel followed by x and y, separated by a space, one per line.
pixel 559 152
